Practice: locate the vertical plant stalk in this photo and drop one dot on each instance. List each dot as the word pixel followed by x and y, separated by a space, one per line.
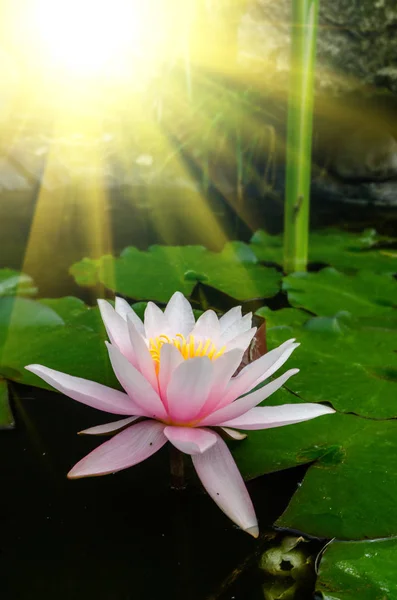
pixel 299 136
pixel 177 467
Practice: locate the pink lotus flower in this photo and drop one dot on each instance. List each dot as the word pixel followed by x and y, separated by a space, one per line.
pixel 179 384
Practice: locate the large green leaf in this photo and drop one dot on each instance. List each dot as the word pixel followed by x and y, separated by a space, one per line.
pixel 32 332
pixel 13 282
pixel 359 571
pixel 351 363
pixel 349 491
pixel 328 291
pixel 342 250
pixel 157 273
pixel 68 308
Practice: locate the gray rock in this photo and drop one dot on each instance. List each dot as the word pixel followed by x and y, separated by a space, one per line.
pixel 328 189
pixel 357 43
pixel 366 155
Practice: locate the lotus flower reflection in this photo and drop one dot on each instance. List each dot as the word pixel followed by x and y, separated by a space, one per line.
pixel 179 385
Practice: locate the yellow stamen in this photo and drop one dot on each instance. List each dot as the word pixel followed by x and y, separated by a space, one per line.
pixel 188 348
pixel 219 353
pixel 207 345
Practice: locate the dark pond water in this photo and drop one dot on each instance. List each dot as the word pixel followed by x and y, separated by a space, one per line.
pixel 127 536
pixel 120 537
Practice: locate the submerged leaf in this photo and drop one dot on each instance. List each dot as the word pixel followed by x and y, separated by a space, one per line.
pixel 256 349
pixel 6 418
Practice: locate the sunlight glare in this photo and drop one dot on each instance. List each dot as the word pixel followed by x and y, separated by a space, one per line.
pixel 85 37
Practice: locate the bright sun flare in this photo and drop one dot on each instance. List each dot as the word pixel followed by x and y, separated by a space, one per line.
pixel 86 37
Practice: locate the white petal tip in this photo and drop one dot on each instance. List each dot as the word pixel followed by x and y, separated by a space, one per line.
pixel 101 302
pixel 254 531
pixel 234 434
pixel 36 369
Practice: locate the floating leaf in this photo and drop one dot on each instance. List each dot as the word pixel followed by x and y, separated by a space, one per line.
pixel 342 250
pixel 68 308
pixel 24 313
pixel 12 283
pixel 157 273
pixel 359 570
pixel 328 291
pixel 351 363
pixel 32 332
pixel 350 489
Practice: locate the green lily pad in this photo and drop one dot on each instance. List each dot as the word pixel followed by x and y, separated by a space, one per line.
pixel 342 250
pixel 24 313
pixel 283 318
pixel 350 489
pixel 351 363
pixel 359 570
pixel 68 308
pixel 329 291
pixel 6 418
pixel 13 282
pixel 266 247
pixel 157 273
pixel 32 332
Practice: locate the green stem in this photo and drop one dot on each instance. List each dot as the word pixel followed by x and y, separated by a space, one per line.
pixel 177 467
pixel 299 137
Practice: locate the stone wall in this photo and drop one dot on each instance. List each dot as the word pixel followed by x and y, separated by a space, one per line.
pixel 357 43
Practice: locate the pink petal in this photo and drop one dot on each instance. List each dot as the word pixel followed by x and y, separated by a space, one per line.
pixel 232 315
pixel 128 448
pixel 189 439
pixel 257 371
pixel 108 427
pixel 189 387
pixel 145 363
pixel 88 392
pixel 117 330
pixel 170 359
pixel 244 404
pixel 237 328
pixel 124 309
pixel 242 340
pixel 179 315
pixel 207 327
pixel 136 386
pixel 224 367
pixel 155 322
pixel 222 480
pixel 265 417
pixel 235 435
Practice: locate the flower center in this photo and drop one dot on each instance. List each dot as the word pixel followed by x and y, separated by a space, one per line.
pixel 189 348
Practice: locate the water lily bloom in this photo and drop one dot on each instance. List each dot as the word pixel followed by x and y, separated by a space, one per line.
pixel 180 387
